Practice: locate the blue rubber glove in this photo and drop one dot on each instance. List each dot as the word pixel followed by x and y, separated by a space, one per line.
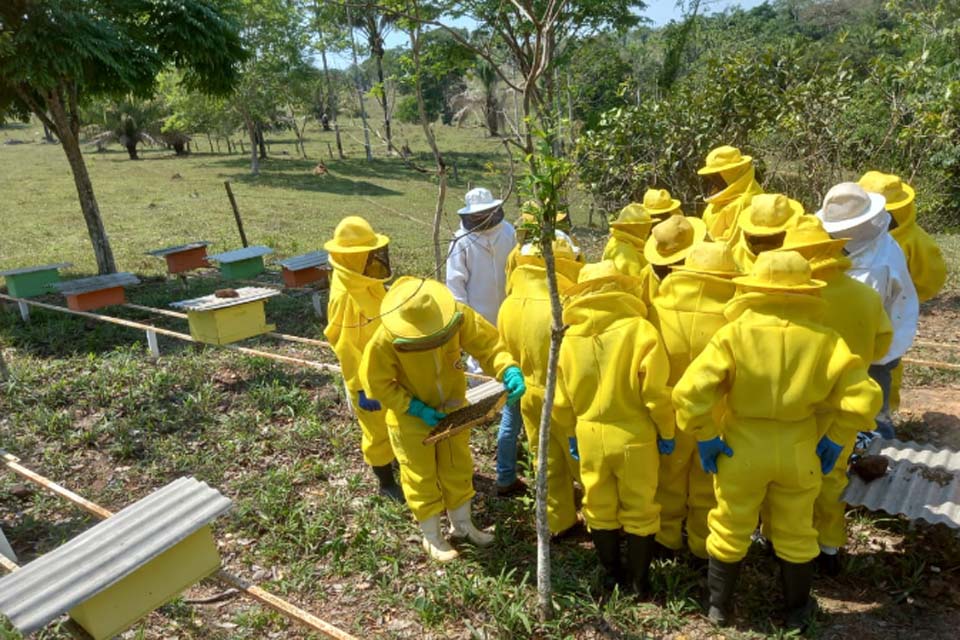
pixel 828 451
pixel 710 450
pixel 574 449
pixel 429 415
pixel 513 382
pixel 666 445
pixel 367 404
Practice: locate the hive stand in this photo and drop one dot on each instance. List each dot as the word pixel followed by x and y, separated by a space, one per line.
pixel 302 270
pixel 241 264
pixel 87 294
pixel 221 321
pixel 184 257
pixel 30 282
pixel 123 568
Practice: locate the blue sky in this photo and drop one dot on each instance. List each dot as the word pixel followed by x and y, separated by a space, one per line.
pixel 660 12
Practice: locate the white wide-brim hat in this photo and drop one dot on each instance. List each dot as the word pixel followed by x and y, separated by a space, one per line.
pixel 478 200
pixel 848 205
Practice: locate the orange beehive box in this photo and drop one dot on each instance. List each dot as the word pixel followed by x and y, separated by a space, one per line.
pixel 302 270
pixel 303 277
pixel 96 299
pixel 183 258
pixel 87 294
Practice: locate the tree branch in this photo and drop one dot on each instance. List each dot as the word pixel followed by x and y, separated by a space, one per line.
pixel 35 108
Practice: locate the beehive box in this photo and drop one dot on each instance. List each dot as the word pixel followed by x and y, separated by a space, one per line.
pixel 221 320
pixel 242 264
pixel 30 282
pixel 184 257
pixel 309 268
pixel 114 574
pixel 87 294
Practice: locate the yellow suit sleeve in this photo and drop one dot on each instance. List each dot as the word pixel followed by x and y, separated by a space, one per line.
pixel 379 371
pixel 927 267
pixel 480 339
pixel 855 399
pixel 654 371
pixel 344 336
pixel 563 414
pixel 702 387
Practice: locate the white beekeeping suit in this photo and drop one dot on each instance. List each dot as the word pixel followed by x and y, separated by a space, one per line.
pixel 477 259
pixel 878 261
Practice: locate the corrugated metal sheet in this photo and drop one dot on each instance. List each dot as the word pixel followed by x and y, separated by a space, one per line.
pixel 96 283
pixel 306 261
pixel 45 267
pixel 241 254
pixel 53 584
pixel 484 391
pixel 207 303
pixel 177 249
pixel 921 483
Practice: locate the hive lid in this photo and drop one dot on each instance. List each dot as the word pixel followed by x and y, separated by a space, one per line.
pixel 45 267
pixel 241 254
pixel 306 261
pixel 160 253
pixel 95 283
pixel 921 483
pixel 210 302
pixel 105 554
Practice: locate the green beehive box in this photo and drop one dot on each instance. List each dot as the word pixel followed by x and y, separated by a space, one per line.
pixel 31 282
pixel 242 269
pixel 241 264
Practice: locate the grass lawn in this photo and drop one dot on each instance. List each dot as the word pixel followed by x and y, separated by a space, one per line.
pixel 87 408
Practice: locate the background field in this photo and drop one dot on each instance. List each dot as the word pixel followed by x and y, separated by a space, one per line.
pixel 88 409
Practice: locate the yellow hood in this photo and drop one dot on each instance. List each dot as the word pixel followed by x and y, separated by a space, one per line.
pixel 724 208
pixel 798 308
pixel 598 309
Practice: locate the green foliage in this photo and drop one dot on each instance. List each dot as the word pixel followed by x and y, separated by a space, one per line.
pixel 444 63
pixel 113 47
pixel 816 96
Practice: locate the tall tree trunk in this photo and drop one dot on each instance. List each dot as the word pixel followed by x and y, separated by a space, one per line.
pixel 131 146
pixel 67 128
pixel 382 97
pixel 432 141
pixel 492 111
pixel 252 132
pixel 356 82
pixel 261 142
pixel 47 134
pixel 331 97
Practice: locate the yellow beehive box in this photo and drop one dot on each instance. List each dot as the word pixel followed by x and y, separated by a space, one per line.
pixel 229 324
pixel 228 315
pixel 119 606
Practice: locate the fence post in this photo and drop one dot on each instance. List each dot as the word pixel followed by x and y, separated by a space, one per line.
pixel 152 343
pixel 24 311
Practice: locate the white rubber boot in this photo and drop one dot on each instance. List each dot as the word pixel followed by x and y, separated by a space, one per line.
pixel 462 526
pixel 434 543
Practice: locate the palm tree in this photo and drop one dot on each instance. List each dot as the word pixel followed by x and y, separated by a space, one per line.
pixel 129 122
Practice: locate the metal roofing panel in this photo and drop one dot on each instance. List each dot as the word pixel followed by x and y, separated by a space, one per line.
pixel 921 483
pixel 96 283
pixel 207 303
pixel 160 253
pixel 484 391
pixel 306 261
pixel 45 267
pixel 102 556
pixel 241 254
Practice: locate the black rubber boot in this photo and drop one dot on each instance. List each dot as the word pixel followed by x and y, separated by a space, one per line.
pixel 663 552
pixel 799 607
pixel 639 554
pixel 388 484
pixel 607 544
pixel 829 565
pixel 721 583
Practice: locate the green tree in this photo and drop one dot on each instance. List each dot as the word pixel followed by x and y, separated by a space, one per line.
pixel 128 122
pixel 375 24
pixel 55 54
